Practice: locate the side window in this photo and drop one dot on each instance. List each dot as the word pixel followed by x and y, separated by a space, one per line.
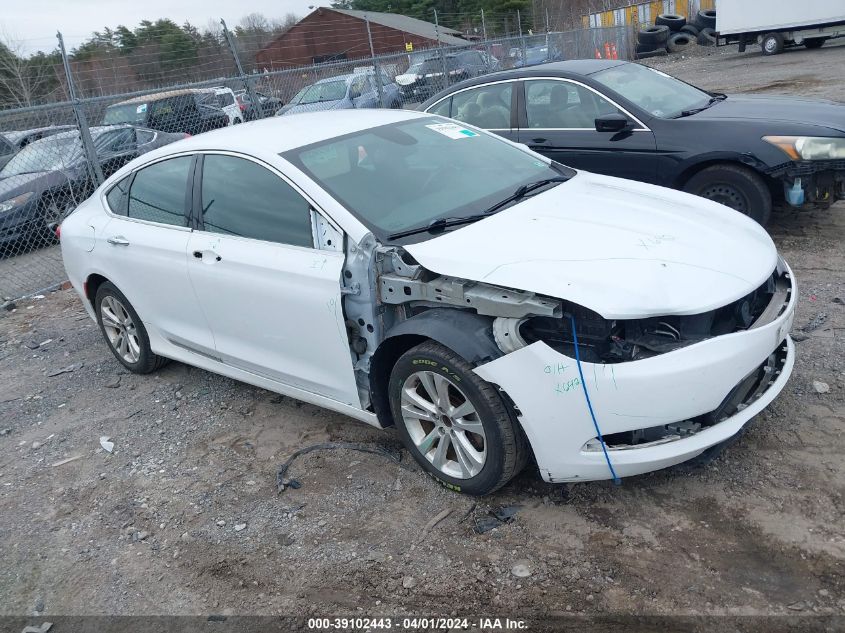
pixel 144 136
pixel 6 147
pixel 117 198
pixel 442 108
pixel 226 99
pixel 158 192
pixel 488 107
pixel 560 104
pixel 240 197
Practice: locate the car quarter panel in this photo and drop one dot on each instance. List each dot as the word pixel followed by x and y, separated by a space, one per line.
pixel 546 388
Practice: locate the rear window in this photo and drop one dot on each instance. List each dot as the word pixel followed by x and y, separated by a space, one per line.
pixel 125 113
pixel 5 147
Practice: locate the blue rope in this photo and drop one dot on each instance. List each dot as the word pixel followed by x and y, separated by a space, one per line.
pixel 616 478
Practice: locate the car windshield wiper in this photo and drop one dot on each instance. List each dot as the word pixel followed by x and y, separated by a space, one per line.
pixel 523 191
pixel 440 224
pixel 715 98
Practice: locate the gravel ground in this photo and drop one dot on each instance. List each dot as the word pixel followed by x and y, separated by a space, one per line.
pixel 184 517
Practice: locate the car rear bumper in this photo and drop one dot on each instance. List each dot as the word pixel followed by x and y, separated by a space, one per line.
pixel 20 223
pixel 676 389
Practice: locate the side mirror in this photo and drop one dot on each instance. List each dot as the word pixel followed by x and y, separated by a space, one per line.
pixel 612 123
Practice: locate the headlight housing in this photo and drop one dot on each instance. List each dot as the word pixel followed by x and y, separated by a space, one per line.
pixel 809 147
pixel 11 203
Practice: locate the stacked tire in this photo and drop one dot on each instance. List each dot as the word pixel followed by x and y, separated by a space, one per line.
pixel 673 34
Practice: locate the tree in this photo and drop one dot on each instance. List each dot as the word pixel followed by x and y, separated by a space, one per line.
pixel 25 80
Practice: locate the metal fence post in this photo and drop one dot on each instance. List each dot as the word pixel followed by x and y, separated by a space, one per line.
pixel 94 169
pixel 486 41
pixel 440 50
pixel 253 97
pixel 521 38
pixel 376 68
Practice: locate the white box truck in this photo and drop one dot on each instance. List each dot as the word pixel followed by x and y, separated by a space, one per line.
pixel 777 24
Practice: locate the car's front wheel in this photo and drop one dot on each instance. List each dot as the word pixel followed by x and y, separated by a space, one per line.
pixel 455 424
pixel 736 187
pixel 124 332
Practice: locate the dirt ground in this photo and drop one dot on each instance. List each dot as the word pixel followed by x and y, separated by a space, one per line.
pixel 183 517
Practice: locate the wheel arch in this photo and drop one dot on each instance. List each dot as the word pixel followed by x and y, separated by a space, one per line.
pixel 466 333
pixel 92 285
pixel 737 160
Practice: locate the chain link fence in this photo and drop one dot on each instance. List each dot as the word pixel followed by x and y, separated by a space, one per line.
pixel 53 156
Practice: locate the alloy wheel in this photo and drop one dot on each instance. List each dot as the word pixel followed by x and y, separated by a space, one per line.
pixel 120 329
pixel 443 424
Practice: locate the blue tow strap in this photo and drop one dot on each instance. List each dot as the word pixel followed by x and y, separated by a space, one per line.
pixel 616 478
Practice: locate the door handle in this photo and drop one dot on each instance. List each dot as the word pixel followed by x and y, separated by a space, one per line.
pixel 199 255
pixel 118 240
pixel 539 141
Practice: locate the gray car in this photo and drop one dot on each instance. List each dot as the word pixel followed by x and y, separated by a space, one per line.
pixel 356 90
pixel 45 180
pixel 13 141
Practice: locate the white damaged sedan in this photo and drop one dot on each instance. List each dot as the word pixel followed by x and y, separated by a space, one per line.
pixel 492 305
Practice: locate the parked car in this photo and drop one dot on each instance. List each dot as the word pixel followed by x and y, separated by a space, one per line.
pixel 222 98
pixel 344 259
pixel 357 90
pixel 13 141
pixel 538 54
pixel 268 105
pixel 48 178
pixel 172 111
pixel 624 119
pixel 425 77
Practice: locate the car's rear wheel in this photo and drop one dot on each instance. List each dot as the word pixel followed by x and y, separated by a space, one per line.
pixel 455 424
pixel 736 187
pixel 124 332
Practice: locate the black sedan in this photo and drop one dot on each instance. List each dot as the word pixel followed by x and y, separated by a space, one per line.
pixel 631 121
pixel 48 178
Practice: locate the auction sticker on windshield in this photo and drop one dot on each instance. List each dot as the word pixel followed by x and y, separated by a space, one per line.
pixel 452 130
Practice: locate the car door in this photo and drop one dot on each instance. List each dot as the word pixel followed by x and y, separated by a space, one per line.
pixel 488 106
pixel 557 119
pixel 272 299
pixel 143 250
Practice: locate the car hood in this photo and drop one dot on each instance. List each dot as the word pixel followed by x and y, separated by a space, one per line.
pixel 621 248
pixel 318 106
pixel 12 186
pixel 827 114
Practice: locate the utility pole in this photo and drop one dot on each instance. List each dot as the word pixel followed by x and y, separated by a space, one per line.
pixel 376 68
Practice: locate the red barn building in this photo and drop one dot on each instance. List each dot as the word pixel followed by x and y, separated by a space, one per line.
pixel 336 34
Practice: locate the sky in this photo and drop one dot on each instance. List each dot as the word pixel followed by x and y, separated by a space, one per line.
pixel 33 23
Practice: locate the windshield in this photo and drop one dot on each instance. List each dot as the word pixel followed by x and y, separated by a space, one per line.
pixel 128 113
pixel 404 175
pixel 654 91
pixel 49 154
pixel 329 91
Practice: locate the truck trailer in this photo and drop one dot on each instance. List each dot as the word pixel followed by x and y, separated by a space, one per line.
pixel 778 24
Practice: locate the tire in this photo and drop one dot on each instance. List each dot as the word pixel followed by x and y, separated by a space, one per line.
pixel 674 22
pixel 655 36
pixel 502 445
pixel 691 29
pixel 660 52
pixel 705 19
pixel 772 43
pixel 680 41
pixel 736 187
pixel 707 37
pixel 111 302
pixel 816 42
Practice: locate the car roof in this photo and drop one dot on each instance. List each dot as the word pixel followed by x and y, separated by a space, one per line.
pixel 74 133
pixel 275 135
pixel 158 96
pixel 346 78
pixel 16 136
pixel 567 68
